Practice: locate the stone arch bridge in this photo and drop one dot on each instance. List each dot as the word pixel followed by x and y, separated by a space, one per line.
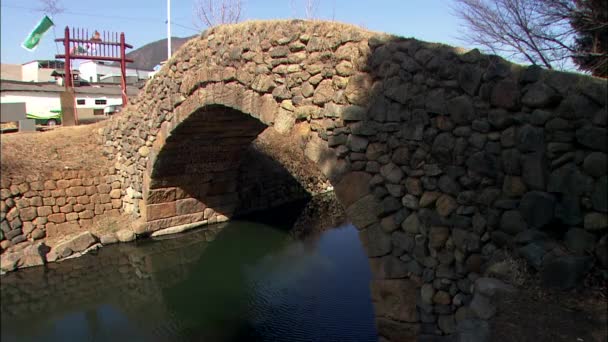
pixel 439 156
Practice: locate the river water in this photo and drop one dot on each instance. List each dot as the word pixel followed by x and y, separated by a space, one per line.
pixel 247 280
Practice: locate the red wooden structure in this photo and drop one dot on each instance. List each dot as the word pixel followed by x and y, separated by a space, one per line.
pixel 105 46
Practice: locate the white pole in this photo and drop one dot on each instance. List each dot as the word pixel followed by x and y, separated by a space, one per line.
pixel 168 29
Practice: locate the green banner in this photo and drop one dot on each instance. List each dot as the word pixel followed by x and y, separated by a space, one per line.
pixel 33 39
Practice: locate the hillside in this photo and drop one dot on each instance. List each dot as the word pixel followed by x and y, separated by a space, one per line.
pixel 151 54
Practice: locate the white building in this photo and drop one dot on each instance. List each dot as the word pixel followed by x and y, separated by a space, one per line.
pixel 96 71
pixel 41 98
pixel 34 71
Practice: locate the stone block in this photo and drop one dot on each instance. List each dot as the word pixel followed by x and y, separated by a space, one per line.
pixel 27 214
pixel 159 211
pixel 395 299
pixel 115 193
pixel 364 212
pixel 75 191
pixel 189 206
pixel 56 218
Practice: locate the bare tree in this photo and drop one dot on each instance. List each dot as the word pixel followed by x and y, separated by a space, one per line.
pixel 589 21
pixel 526 30
pixel 217 12
pixel 310 8
pixel 52 7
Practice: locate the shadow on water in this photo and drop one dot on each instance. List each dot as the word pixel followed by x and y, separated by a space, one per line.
pixel 243 280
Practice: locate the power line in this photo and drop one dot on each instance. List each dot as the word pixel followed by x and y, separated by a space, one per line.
pixel 186 27
pixel 86 14
pixel 106 16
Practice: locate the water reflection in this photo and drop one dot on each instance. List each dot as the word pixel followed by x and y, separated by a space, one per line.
pixel 242 280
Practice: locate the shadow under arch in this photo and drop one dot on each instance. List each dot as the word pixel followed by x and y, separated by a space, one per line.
pixel 208 169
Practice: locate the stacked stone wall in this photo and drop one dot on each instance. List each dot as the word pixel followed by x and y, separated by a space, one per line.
pixel 62 203
pixel 441 157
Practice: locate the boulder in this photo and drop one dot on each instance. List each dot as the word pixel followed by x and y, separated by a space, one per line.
pixel 537 208
pixel 125 235
pixel 73 244
pixel 579 241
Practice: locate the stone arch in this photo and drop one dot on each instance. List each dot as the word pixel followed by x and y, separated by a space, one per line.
pixel 440 156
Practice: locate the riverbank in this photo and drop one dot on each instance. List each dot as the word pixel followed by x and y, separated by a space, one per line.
pixel 120 228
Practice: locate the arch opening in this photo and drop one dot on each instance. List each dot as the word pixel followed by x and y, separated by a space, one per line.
pixel 220 163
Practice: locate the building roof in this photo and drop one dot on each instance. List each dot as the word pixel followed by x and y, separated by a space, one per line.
pixel 61 72
pixel 47 63
pixel 113 65
pixel 106 89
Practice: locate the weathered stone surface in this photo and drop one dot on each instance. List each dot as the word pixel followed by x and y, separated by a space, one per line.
pixel 483 163
pixel 395 299
pixel 446 204
pixel 596 164
pixel 512 222
pixel 107 239
pixel 393 330
pixel 428 198
pixel 323 93
pixel 537 208
pixel 125 235
pixel 593 137
pixel 364 211
pixel 513 186
pixel 568 180
pixel 505 94
pixel 284 121
pixel 357 143
pixel 596 221
pixel 438 236
pixel 461 109
pixel 534 254
pixel 76 243
pixel 500 119
pixel 376 242
pixel 534 170
pixel 159 211
pixel 352 187
pixel 482 306
pixel 540 95
pixel 357 90
pixel 410 202
pixel 579 241
pixel 392 173
pixel 38 234
pixel 31 255
pixel 469 79
pixel 599 197
pixel 530 138
pixel 411 224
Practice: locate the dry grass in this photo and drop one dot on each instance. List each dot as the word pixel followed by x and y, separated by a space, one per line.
pixel 40 153
pixel 539 314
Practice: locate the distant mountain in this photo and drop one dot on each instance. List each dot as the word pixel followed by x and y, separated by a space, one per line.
pixel 151 54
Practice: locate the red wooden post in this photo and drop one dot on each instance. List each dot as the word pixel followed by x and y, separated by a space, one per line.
pixel 123 69
pixel 68 73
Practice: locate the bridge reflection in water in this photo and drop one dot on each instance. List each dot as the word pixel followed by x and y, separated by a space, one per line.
pixel 242 280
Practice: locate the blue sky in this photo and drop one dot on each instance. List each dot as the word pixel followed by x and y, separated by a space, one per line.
pixel 143 21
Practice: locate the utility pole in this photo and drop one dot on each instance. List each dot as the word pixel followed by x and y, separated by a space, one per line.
pixel 168 29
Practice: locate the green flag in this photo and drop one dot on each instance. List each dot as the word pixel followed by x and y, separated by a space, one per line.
pixel 33 39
